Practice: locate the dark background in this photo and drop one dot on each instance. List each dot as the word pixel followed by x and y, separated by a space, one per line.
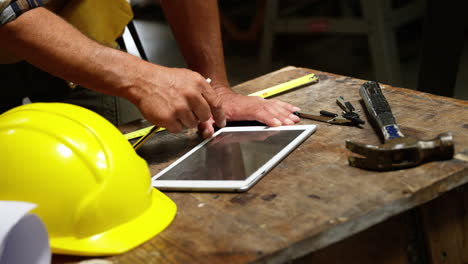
pixel 345 54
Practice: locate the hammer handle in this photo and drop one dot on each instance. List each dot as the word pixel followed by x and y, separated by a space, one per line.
pixel 379 109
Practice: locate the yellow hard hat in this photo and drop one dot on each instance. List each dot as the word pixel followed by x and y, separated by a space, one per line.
pixel 92 190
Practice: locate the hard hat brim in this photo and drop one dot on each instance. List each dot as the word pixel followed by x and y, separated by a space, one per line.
pixel 124 237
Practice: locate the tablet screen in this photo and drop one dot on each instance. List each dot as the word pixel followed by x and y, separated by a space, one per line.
pixel 232 155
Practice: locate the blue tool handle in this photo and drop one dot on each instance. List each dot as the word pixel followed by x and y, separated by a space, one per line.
pixel 379 109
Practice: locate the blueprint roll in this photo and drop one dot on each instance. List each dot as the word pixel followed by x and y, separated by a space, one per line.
pixel 23 237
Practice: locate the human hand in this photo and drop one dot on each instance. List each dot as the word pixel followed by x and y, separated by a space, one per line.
pixel 175 98
pixel 238 107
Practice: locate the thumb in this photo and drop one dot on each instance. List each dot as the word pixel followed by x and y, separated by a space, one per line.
pixel 206 128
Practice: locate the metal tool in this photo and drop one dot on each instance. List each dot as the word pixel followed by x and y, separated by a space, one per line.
pixel 350 112
pixel 277 89
pixel 349 116
pixel 326 117
pixel 398 151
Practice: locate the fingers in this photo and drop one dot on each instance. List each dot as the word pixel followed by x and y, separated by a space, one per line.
pixel 207 104
pixel 188 119
pixel 197 103
pixel 287 110
pixel 206 128
pixel 167 121
pixel 200 107
pixel 174 126
pixel 175 98
pixel 216 107
pixel 277 113
pixel 183 98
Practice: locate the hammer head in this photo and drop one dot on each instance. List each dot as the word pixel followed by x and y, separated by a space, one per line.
pixel 401 153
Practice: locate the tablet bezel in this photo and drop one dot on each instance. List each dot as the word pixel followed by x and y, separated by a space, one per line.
pixel 229 185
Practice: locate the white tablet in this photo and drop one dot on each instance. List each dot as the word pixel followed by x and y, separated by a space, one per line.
pixel 233 159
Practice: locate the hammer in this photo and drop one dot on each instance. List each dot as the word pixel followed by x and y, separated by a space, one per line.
pixel 398 151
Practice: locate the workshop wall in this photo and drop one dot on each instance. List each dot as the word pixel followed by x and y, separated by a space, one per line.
pixel 346 54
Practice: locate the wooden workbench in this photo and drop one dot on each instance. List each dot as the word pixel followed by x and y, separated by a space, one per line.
pixel 313 206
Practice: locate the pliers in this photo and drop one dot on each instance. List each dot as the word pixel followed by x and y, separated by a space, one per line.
pixel 349 116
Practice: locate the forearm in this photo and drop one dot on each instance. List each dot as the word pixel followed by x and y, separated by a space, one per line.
pixel 50 43
pixel 167 97
pixel 196 27
pixel 195 24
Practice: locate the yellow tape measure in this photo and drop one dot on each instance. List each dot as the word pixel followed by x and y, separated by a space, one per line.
pixel 141 132
pixel 308 79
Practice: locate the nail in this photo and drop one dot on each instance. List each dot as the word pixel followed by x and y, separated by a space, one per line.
pixel 294 118
pixel 276 122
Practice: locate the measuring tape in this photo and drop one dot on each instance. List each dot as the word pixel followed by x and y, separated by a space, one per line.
pixel 304 80
pixel 308 79
pixel 141 132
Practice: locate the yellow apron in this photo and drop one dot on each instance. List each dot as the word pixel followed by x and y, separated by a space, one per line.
pixel 101 20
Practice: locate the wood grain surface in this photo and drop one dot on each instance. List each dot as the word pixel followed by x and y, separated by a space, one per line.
pixel 312 199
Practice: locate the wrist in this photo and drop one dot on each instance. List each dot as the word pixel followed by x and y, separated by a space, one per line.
pixel 133 83
pixel 221 86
